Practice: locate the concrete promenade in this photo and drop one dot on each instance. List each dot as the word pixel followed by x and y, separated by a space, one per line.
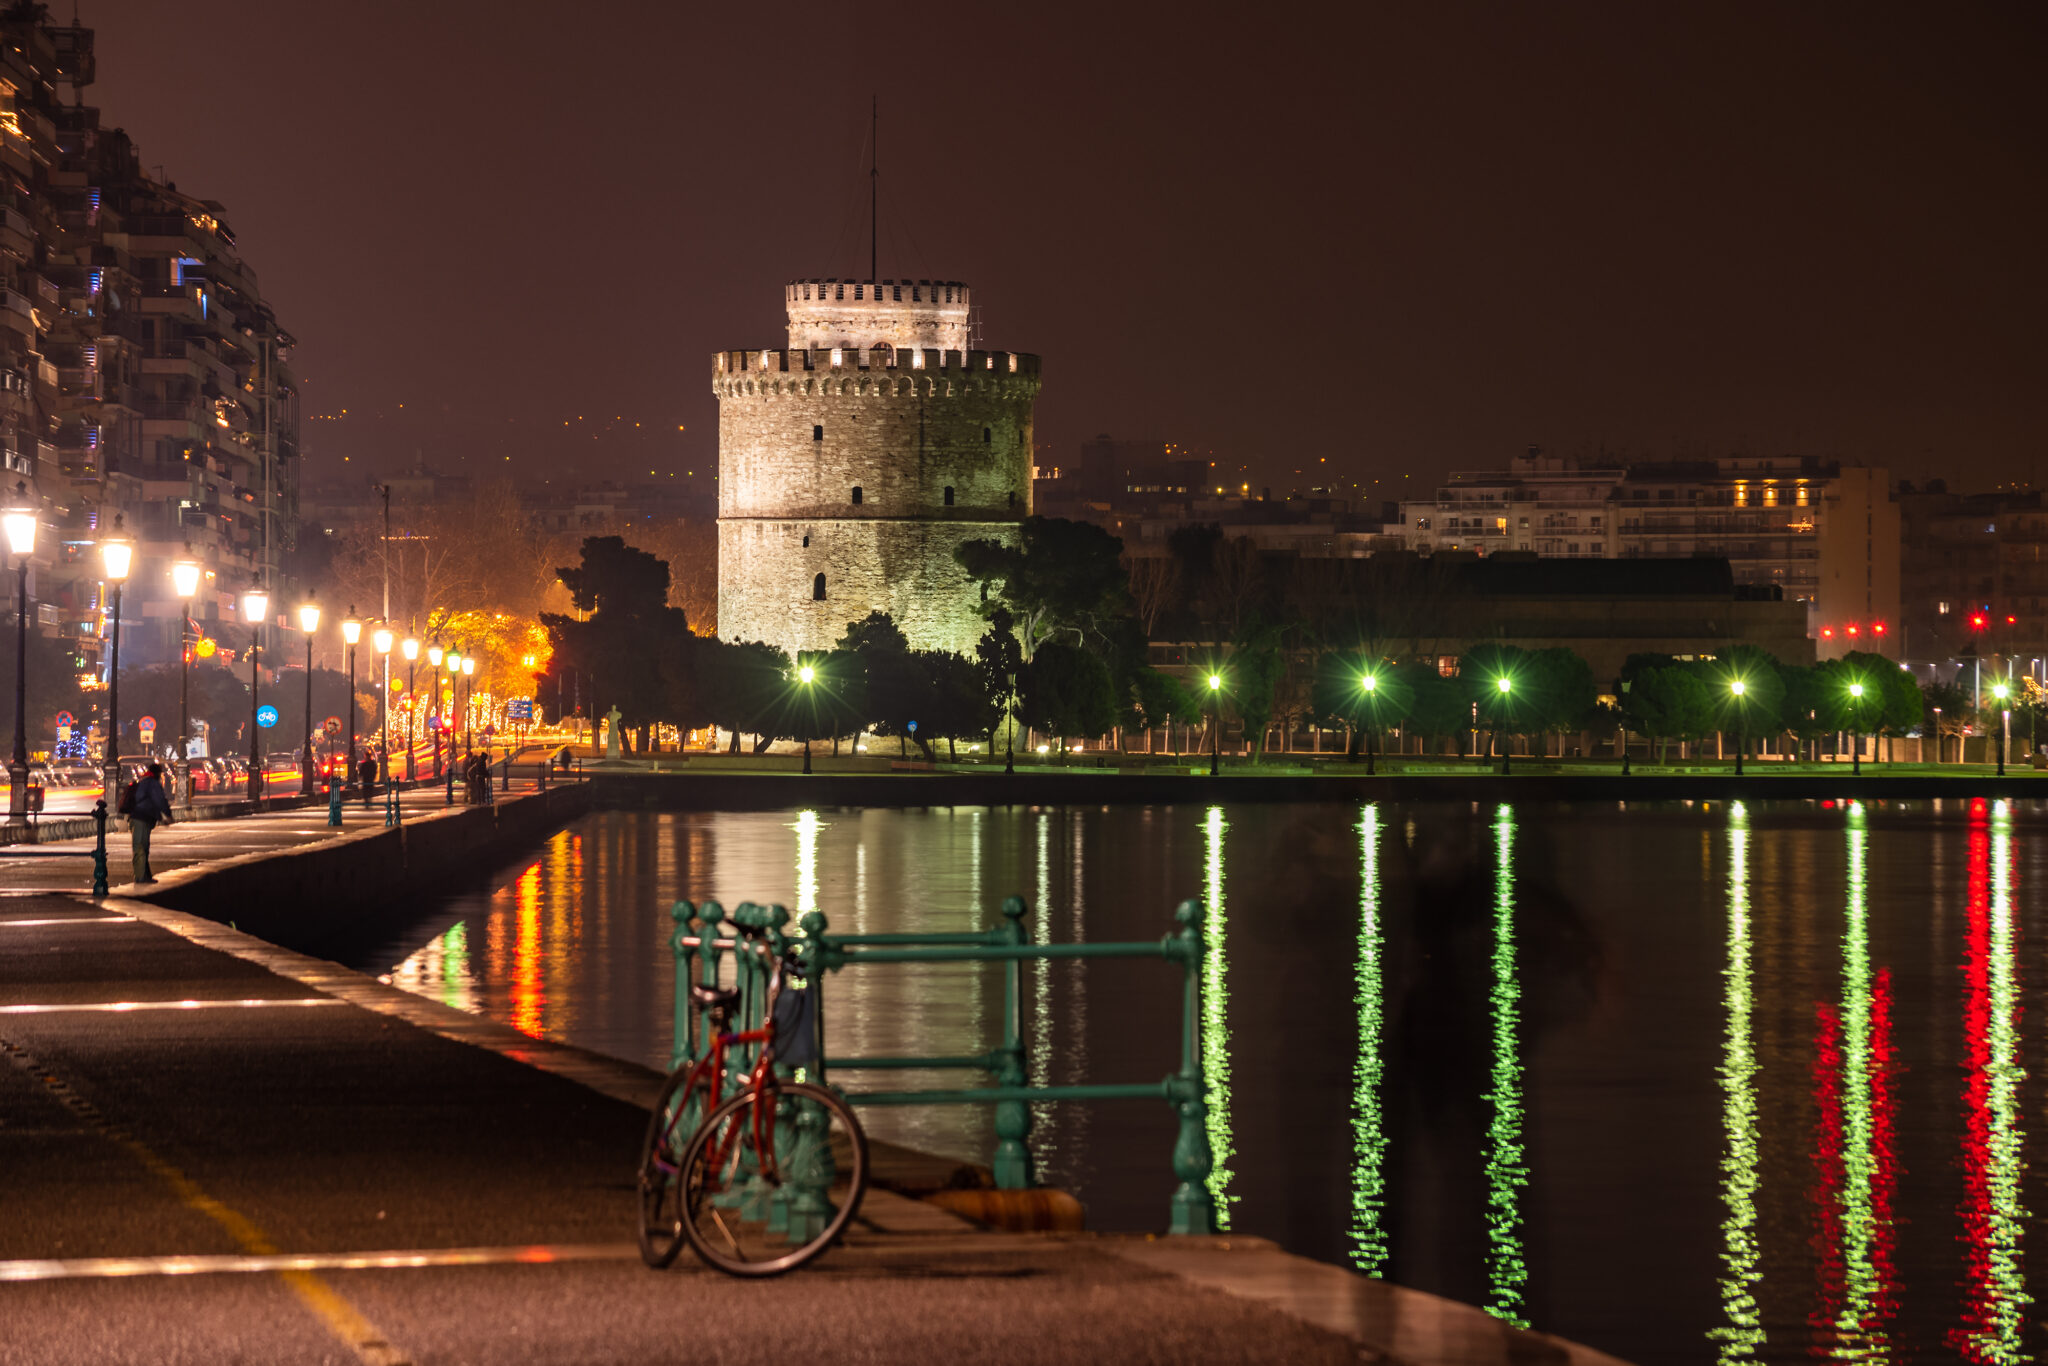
pixel 214 1149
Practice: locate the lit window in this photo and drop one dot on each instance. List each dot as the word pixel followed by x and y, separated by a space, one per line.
pixel 1799 497
pixel 1942 607
pixel 1770 496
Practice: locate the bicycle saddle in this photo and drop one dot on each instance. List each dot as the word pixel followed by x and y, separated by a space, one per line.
pixel 715 998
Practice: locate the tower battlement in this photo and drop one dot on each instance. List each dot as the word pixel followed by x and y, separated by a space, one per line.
pixel 955 366
pixel 862 313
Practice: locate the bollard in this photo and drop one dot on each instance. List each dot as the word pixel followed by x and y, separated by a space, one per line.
pixel 1013 1117
pixel 684 1039
pixel 99 852
pixel 1193 1210
pixel 391 802
pixel 333 801
pixel 506 785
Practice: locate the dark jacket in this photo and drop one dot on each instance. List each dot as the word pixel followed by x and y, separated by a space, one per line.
pixel 152 806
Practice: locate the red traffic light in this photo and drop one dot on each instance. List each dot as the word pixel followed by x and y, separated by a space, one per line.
pixel 1877 628
pixel 1852 628
pixel 1978 621
pixel 1827 633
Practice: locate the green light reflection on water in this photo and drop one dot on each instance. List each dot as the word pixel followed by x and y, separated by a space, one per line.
pixel 1859 1330
pixel 2001 1331
pixel 1215 1025
pixel 455 966
pixel 1368 1128
pixel 1739 1339
pixel 1507 1272
pixel 806 827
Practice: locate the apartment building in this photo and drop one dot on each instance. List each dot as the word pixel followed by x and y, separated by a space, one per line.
pixel 1975 568
pixel 1814 531
pixel 144 376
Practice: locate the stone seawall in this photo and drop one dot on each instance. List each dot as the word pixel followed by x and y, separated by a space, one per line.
pixel 321 895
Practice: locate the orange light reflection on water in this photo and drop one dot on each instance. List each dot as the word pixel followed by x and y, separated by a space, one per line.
pixel 529 991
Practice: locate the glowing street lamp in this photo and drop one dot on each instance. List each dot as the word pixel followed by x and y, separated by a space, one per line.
pixel 1505 686
pixel 1740 690
pixel 468 695
pixel 381 640
pixel 2001 693
pixel 185 582
pixel 411 650
pixel 1856 738
pixel 436 721
pixel 1215 722
pixel 807 675
pixel 351 633
pixel 1370 685
pixel 255 608
pixel 117 552
pixel 20 524
pixel 309 622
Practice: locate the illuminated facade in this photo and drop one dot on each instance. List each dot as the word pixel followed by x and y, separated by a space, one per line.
pixel 852 464
pixel 137 341
pixel 1816 531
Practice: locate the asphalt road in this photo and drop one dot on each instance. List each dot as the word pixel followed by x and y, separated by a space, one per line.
pixel 304 1125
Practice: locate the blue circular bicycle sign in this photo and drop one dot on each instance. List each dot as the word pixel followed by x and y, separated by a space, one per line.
pixel 266 717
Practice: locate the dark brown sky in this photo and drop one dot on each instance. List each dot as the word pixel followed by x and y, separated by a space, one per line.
pixel 1405 241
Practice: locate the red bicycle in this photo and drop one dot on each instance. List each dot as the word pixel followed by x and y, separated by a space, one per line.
pixel 758 1182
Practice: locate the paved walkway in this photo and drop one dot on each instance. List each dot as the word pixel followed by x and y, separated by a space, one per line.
pixel 216 1150
pixel 66 865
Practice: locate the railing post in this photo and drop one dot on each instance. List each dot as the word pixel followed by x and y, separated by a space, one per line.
pixel 681 1048
pixel 1193 1210
pixel 1013 1117
pixel 333 801
pixel 99 852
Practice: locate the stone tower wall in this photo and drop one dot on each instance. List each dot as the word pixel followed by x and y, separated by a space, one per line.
pixel 800 430
pixel 827 313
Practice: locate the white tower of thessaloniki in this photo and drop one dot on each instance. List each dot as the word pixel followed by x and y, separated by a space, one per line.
pixel 852 463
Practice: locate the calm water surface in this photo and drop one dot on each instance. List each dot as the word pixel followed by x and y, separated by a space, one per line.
pixel 1683 1082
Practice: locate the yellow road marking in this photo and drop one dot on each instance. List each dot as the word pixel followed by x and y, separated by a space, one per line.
pixel 59 1008
pixel 341 1318
pixel 199 1264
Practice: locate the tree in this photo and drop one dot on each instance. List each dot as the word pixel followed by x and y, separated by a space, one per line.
pixel 743 688
pixel 959 704
pixel 1756 712
pixel 1062 578
pixel 630 636
pixel 1339 697
pixel 1154 700
pixel 1483 668
pixel 1253 678
pixel 1563 694
pixel 1000 659
pixel 1067 691
pixel 1437 706
pixel 1810 707
pixel 897 688
pixel 1155 580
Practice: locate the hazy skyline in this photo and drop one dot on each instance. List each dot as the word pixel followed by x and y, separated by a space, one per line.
pixel 1406 242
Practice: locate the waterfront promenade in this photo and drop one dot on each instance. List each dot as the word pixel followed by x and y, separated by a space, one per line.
pixel 217 1149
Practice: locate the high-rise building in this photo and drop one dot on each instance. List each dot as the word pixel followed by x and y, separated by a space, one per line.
pixel 1816 531
pixel 144 376
pixel 1975 568
pixel 854 462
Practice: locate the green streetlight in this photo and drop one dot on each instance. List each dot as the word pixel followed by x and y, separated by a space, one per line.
pixel 1369 684
pixel 1215 722
pixel 1856 737
pixel 1740 689
pixel 2001 693
pixel 1506 686
pixel 806 675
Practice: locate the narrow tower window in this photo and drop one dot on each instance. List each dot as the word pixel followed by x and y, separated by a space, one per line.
pixel 987 435
pixel 818 589
pixel 807 542
pixel 856 495
pixel 1013 498
pixel 818 432
pixel 949 495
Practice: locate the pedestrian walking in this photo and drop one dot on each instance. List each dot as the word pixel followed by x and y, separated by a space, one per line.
pixel 146 806
pixel 367 770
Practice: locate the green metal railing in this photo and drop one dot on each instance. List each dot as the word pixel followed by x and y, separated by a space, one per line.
pixel 702 954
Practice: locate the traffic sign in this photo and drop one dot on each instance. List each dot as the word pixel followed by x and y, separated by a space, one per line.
pixel 266 716
pixel 65 718
pixel 332 725
pixel 519 709
pixel 147 723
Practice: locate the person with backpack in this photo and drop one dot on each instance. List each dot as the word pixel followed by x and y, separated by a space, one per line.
pixel 146 805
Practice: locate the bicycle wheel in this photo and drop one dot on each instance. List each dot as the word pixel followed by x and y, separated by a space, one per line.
pixel 772 1178
pixel 669 1129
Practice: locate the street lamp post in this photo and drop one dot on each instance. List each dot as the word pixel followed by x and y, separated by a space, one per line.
pixel 255 607
pixel 2000 693
pixel 806 676
pixel 1371 684
pixel 468 697
pixel 351 632
pixel 1856 737
pixel 185 579
pixel 1506 688
pixel 1739 688
pixel 437 721
pixel 1215 722
pixel 309 622
pixel 20 521
pixel 380 641
pixel 411 648
pixel 116 553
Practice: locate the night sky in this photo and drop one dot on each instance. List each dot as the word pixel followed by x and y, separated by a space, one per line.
pixel 1404 242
